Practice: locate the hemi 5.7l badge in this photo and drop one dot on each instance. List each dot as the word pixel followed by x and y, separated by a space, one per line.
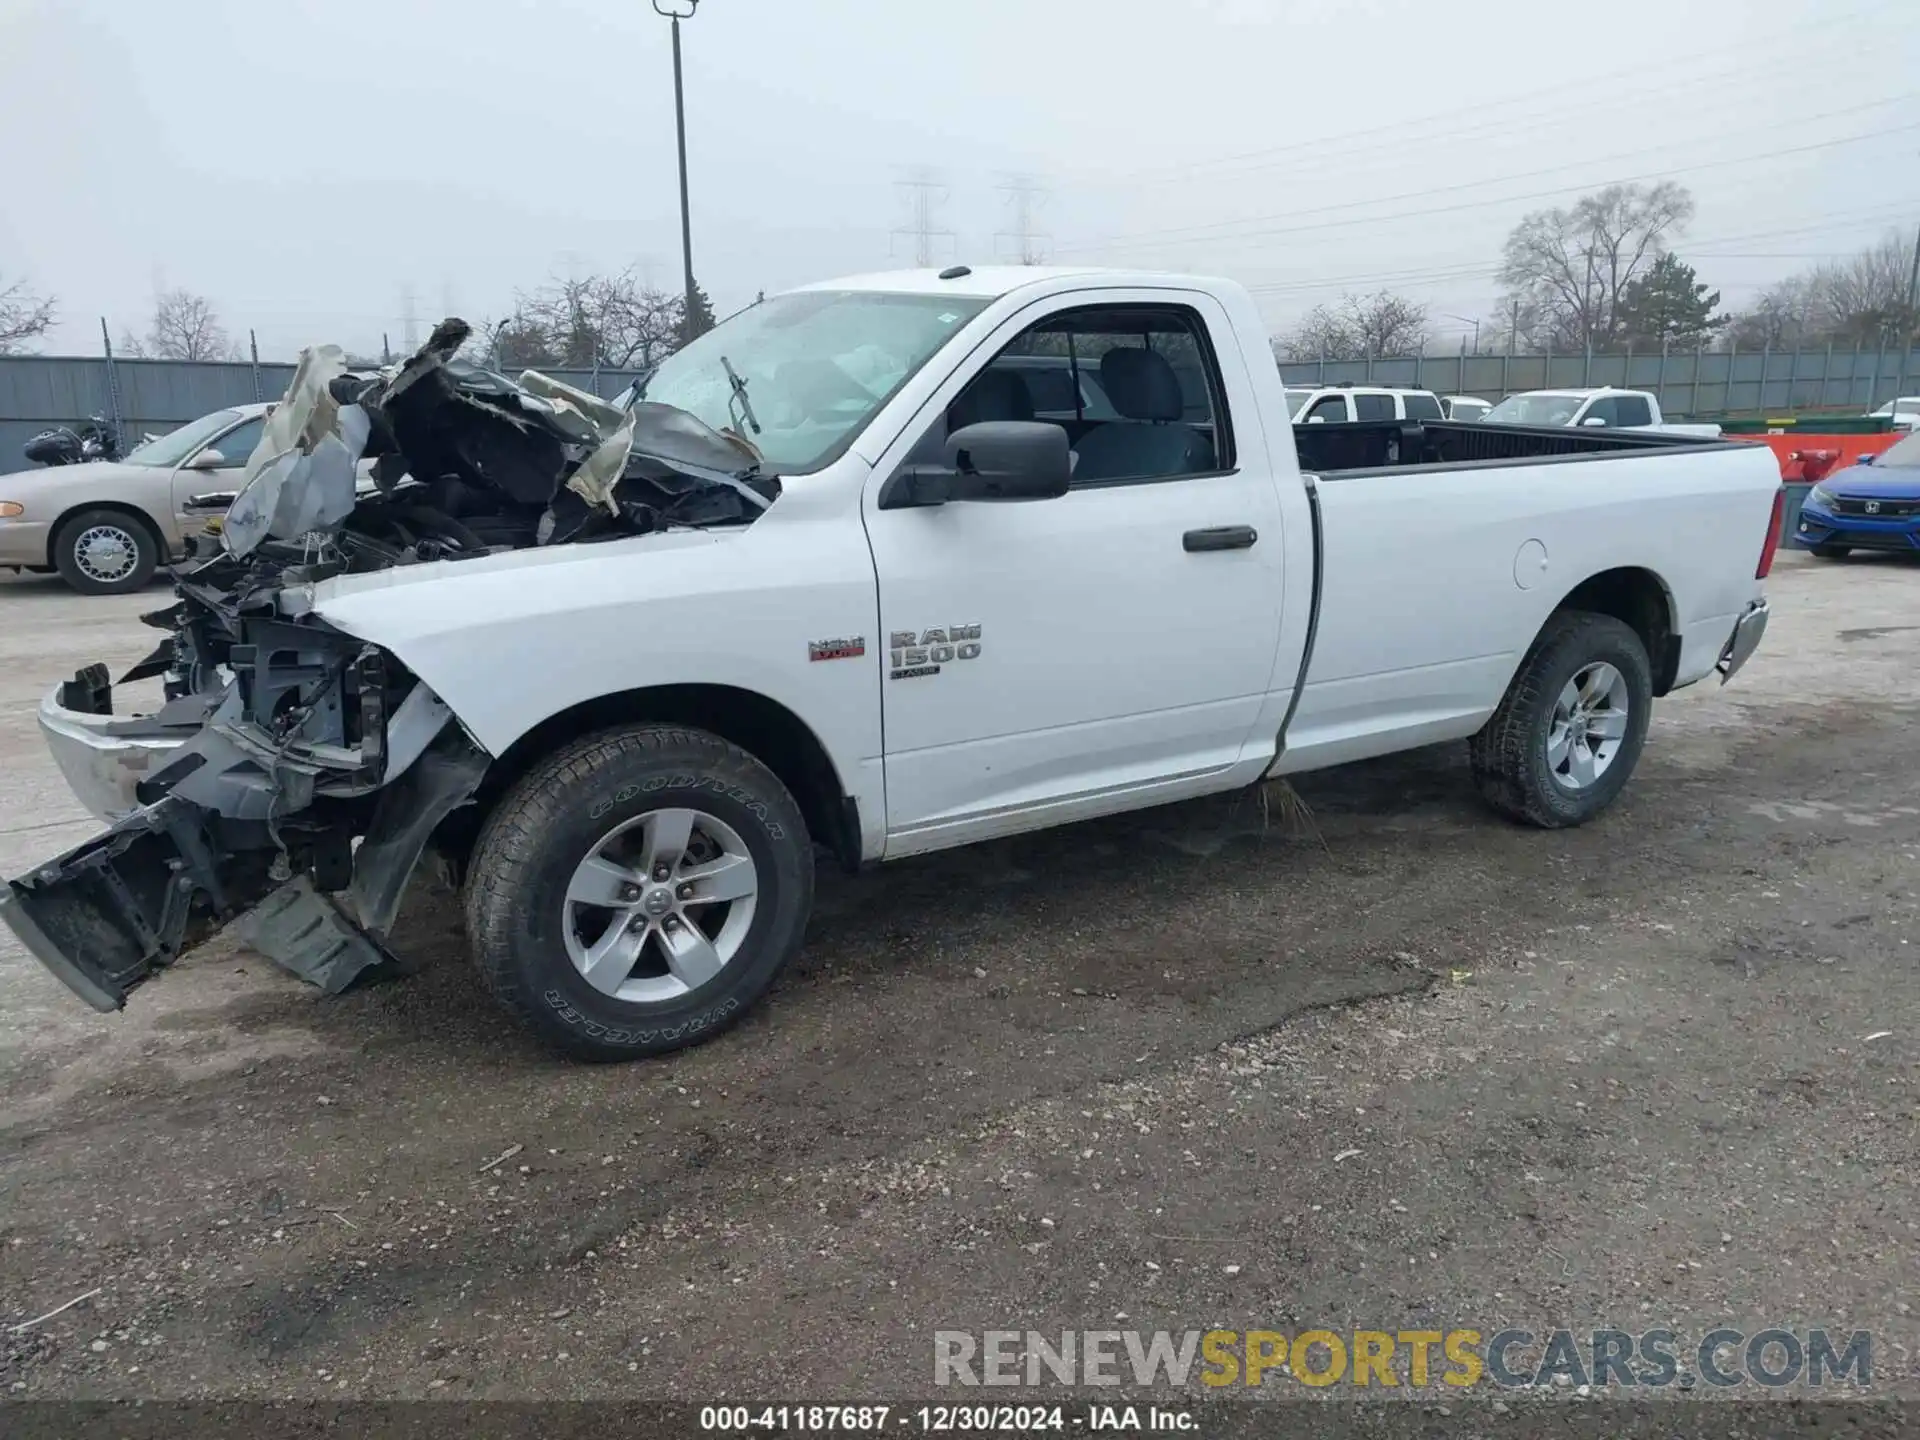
pixel 842 649
pixel 911 654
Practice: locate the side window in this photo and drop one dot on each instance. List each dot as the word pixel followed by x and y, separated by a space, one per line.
pixel 1632 410
pixel 1373 407
pixel 1152 406
pixel 1601 410
pixel 1328 408
pixel 1051 387
pixel 1422 406
pixel 237 444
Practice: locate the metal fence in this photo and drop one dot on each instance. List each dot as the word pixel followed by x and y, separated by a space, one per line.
pixel 141 395
pixel 37 391
pixel 1688 382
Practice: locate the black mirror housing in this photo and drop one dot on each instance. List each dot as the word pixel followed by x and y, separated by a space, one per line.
pixel 1009 460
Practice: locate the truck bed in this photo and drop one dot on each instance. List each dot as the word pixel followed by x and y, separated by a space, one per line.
pixel 1369 445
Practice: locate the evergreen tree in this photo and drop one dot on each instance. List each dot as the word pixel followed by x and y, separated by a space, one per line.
pixel 1668 305
pixel 701 320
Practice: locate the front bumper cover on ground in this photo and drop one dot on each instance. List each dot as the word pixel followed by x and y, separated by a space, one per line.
pixel 214 848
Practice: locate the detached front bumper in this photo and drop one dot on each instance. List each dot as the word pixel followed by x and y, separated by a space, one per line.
pixel 103 757
pixel 304 843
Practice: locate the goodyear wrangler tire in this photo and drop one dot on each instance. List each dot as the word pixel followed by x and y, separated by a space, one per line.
pixel 1565 738
pixel 638 892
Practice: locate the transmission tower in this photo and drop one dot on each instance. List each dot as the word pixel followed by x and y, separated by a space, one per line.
pixel 924 195
pixel 409 320
pixel 1025 197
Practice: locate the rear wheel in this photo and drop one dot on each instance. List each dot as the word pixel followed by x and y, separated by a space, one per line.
pixel 1832 552
pixel 639 891
pixel 1568 733
pixel 105 552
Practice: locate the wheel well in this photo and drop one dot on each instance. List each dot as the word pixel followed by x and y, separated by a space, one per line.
pixel 1639 599
pixel 132 512
pixel 765 729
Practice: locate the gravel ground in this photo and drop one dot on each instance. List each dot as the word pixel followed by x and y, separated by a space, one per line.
pixel 1400 1065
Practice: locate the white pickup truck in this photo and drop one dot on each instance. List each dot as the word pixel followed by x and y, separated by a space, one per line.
pixel 1600 407
pixel 829 583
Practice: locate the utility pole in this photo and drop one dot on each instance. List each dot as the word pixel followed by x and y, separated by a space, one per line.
pixel 673 10
pixel 924 195
pixel 1913 278
pixel 1025 195
pixel 1908 318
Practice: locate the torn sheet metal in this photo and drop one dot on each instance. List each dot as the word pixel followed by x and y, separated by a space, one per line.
pixel 300 477
pixel 607 428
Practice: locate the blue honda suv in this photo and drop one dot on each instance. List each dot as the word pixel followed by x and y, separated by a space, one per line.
pixel 1873 505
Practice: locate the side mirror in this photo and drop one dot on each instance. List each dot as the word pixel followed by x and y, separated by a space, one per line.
pixel 1316 419
pixel 1010 460
pixel 207 459
pixel 991 460
pixel 1593 420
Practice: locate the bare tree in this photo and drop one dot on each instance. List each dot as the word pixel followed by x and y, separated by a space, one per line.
pixel 1320 335
pixel 186 328
pixel 1386 324
pixel 1862 300
pixel 1571 266
pixel 1781 317
pixel 1358 327
pixel 1865 300
pixel 612 320
pixel 24 316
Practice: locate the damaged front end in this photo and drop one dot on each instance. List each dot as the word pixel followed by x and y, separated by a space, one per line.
pixel 295 775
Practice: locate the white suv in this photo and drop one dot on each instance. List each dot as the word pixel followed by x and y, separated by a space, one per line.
pixel 1362 402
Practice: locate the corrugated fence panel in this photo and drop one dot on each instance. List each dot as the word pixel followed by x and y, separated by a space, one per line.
pixel 37 391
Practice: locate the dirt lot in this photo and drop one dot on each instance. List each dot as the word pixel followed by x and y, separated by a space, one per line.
pixel 1407 1066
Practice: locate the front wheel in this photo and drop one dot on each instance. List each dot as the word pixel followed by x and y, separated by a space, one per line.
pixel 105 552
pixel 1832 552
pixel 639 891
pixel 1566 736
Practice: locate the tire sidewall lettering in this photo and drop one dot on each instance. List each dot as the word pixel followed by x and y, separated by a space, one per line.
pixel 619 1035
pixel 655 785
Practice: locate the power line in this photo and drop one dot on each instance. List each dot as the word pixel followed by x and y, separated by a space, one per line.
pixel 1465 269
pixel 1025 196
pixel 1203 233
pixel 1831 28
pixel 924 195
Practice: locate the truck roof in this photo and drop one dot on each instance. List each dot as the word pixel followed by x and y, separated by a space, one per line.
pixel 990 282
pixel 1590 390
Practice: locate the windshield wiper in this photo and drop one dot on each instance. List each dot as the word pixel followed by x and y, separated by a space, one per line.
pixel 740 394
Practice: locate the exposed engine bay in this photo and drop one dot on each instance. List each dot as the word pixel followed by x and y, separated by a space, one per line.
pixel 314 768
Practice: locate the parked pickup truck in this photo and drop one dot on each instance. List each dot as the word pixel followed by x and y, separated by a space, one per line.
pixel 1603 407
pixel 622 686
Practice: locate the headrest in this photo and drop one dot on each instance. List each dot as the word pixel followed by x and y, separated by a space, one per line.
pixel 1141 384
pixel 993 395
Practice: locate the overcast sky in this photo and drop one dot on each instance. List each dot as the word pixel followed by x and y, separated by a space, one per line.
pixel 309 167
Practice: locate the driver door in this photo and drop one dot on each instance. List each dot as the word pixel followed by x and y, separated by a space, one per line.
pixel 1048 660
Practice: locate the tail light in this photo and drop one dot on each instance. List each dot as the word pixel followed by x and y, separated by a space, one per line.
pixel 1773 534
